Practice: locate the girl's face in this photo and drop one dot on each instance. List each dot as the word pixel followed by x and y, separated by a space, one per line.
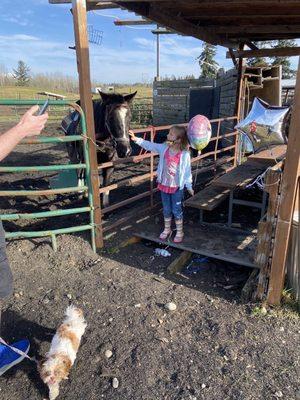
pixel 172 135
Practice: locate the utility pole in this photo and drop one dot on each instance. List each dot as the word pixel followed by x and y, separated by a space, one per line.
pixel 157 57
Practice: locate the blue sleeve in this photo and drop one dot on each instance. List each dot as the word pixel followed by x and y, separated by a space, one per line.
pixel 150 146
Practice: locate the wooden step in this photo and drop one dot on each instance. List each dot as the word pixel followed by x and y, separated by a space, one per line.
pixel 208 198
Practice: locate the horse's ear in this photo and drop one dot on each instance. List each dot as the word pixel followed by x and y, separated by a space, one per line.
pixel 104 96
pixel 129 97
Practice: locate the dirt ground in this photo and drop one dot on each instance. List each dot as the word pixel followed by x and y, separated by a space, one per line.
pixel 211 347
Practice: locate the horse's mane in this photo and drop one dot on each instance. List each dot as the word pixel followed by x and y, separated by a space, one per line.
pixel 99 113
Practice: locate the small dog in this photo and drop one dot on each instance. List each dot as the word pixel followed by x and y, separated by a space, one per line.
pixel 64 346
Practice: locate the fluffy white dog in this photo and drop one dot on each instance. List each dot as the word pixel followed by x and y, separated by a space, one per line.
pixel 64 346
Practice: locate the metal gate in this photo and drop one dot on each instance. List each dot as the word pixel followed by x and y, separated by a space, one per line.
pixel 52 233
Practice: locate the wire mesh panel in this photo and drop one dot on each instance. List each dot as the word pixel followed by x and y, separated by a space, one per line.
pixel 95 35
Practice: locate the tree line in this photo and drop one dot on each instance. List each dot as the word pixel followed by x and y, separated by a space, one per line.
pixel 22 76
pixel 209 67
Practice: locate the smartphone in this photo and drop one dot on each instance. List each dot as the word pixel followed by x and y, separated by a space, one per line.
pixel 44 107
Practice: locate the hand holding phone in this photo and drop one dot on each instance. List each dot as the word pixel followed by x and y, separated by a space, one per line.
pixel 44 107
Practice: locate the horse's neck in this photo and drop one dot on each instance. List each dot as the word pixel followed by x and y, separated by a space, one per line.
pixel 99 117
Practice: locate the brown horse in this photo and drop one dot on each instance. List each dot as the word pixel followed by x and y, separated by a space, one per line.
pixel 112 116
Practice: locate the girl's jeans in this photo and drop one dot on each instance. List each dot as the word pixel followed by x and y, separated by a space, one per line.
pixel 172 204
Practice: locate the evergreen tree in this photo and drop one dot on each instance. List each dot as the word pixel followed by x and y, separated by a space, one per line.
pixel 287 71
pixel 21 74
pixel 208 65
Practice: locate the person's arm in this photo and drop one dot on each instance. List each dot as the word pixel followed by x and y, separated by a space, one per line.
pixel 29 125
pixel 146 144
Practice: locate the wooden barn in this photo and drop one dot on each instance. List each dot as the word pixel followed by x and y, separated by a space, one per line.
pixel 235 25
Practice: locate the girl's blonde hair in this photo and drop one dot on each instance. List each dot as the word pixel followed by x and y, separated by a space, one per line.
pixel 181 133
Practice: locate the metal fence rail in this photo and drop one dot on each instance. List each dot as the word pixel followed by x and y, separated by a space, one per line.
pixel 52 233
pixel 152 133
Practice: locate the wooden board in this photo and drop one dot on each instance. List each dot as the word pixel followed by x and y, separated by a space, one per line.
pixel 208 198
pixel 209 240
pixel 289 185
pixel 240 176
pixel 83 66
pixel 179 262
pixel 270 156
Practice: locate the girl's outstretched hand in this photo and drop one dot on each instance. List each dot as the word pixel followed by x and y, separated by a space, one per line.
pixel 132 136
pixel 191 192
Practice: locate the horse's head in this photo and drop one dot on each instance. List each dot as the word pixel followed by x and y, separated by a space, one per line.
pixel 117 120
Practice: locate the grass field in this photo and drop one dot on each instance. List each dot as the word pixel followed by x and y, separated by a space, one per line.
pixel 28 92
pixel 141 109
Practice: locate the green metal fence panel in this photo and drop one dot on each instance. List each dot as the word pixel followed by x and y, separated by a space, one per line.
pixel 52 233
pixel 60 167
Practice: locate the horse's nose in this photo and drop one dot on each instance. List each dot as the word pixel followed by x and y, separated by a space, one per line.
pixel 128 152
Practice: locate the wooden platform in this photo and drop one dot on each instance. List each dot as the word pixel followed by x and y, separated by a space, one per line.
pixel 208 198
pixel 209 240
pixel 271 156
pixel 240 176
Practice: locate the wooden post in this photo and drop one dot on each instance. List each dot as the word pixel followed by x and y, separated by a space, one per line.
pixel 152 169
pixel 266 231
pixel 238 102
pixel 286 202
pixel 83 66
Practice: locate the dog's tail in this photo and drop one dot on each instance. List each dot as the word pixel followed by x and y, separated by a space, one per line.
pixel 73 312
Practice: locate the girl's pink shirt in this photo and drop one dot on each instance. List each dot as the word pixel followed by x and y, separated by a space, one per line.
pixel 171 162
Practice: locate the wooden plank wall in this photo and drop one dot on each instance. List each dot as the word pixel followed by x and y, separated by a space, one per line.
pixel 171 98
pixel 228 84
pixel 293 258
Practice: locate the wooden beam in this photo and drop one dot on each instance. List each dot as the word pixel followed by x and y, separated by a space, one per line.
pixel 281 52
pixel 286 202
pixel 90 4
pixel 255 29
pixel 235 63
pixel 213 3
pixel 83 65
pixel 202 9
pixel 243 37
pixel 172 21
pixel 251 45
pixel 163 32
pixel 101 6
pixel 119 22
pixel 239 101
pixel 70 1
pixel 179 262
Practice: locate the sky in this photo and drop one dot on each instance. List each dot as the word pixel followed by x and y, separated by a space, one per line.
pixel 40 34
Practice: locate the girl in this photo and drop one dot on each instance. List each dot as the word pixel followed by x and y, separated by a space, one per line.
pixel 173 175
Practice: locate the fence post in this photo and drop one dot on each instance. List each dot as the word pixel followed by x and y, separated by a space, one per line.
pixel 289 183
pixel 216 145
pixel 83 64
pixel 239 101
pixel 151 167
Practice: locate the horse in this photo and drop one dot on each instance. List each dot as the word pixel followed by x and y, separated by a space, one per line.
pixel 112 116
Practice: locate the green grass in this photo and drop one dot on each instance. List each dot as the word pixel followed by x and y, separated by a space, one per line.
pixel 28 92
pixel 141 105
